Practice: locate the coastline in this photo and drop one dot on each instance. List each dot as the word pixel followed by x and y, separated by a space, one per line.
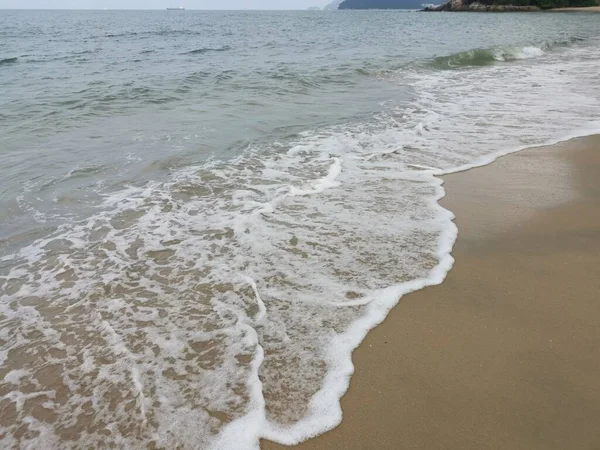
pixel 504 353
pixel 594 9
pixel 458 6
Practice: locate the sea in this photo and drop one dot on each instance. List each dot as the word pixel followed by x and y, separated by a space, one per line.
pixel 202 214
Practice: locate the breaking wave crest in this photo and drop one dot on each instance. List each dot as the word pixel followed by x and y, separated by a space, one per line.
pixel 8 61
pixel 485 57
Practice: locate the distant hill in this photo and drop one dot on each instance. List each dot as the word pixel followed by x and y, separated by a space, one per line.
pixel 333 5
pixel 381 4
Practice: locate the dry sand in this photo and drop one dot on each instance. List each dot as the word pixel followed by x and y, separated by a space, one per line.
pixel 586 9
pixel 505 354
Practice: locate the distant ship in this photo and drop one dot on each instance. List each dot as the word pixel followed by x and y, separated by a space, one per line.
pixel 181 8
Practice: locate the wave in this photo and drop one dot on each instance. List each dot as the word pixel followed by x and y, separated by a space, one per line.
pixel 8 61
pixel 148 34
pixel 201 51
pixel 485 57
pixel 82 172
pixel 489 56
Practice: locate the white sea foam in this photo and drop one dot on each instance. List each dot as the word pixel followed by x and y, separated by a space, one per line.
pixel 221 306
pixel 515 53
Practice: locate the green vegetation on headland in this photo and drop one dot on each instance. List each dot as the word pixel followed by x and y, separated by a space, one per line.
pixel 381 4
pixel 543 4
pixel 464 5
pixel 510 5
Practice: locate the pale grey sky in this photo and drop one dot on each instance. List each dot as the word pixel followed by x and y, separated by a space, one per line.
pixel 160 4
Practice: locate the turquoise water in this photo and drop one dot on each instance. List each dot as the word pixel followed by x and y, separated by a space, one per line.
pixel 202 213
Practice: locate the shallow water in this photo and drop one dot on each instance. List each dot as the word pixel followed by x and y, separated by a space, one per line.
pixel 202 213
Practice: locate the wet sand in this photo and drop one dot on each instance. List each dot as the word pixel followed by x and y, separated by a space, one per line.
pixel 505 354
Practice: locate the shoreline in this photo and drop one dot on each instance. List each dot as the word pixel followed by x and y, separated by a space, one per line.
pixel 426 377
pixel 594 9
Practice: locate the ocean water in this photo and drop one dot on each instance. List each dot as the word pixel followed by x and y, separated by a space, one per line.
pixel 203 213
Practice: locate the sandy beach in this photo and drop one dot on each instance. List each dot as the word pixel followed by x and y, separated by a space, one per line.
pixel 505 354
pixel 587 9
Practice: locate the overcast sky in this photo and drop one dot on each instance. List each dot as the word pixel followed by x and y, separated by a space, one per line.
pixel 160 4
